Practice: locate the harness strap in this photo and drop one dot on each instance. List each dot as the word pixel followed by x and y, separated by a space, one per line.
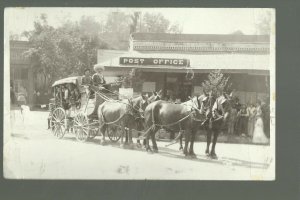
pixel 171 124
pixel 107 123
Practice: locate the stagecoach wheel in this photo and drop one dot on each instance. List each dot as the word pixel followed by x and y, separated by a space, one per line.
pixel 81 127
pixel 114 132
pixel 93 133
pixel 58 123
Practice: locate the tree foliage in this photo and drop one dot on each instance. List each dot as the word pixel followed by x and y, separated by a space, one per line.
pixel 63 51
pixel 58 52
pixel 133 79
pixel 117 30
pixel 263 27
pixel 157 23
pixel 217 82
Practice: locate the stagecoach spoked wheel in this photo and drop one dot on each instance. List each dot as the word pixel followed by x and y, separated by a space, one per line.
pixel 58 123
pixel 93 133
pixel 114 132
pixel 81 127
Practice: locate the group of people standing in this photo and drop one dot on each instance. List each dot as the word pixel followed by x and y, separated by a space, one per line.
pixel 252 121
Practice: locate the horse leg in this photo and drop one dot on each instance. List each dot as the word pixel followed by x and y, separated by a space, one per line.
pixel 155 148
pixel 138 139
pixel 148 148
pixel 186 144
pixel 208 140
pixel 191 151
pixel 130 136
pixel 126 135
pixel 213 154
pixel 103 130
pixel 180 140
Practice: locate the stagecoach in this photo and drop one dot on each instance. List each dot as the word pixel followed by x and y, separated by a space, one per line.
pixel 78 115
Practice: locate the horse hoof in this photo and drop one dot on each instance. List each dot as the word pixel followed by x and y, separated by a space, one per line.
pixel 193 155
pixel 155 150
pixel 207 153
pixel 180 148
pixel 131 146
pixel 214 156
pixel 103 143
pixel 138 145
pixel 148 149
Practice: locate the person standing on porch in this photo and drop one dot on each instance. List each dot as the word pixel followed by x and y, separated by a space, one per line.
pixel 258 132
pixel 251 120
pixel 243 121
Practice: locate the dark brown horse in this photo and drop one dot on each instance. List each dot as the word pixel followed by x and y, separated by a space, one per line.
pixel 174 117
pixel 217 112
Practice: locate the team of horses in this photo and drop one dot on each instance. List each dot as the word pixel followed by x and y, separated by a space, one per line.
pixel 149 114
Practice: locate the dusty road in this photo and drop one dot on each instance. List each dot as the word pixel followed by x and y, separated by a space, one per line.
pixel 32 152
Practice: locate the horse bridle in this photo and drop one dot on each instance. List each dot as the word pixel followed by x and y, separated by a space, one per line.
pixel 134 111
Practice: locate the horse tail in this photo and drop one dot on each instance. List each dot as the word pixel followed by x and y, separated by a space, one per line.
pixel 154 119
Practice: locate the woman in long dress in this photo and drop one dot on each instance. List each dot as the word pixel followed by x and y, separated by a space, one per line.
pixel 251 120
pixel 258 132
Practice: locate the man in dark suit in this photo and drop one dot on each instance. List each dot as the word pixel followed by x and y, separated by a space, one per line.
pixel 98 79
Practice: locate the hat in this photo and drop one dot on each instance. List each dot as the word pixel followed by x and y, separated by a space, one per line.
pixel 87 69
pixel 97 67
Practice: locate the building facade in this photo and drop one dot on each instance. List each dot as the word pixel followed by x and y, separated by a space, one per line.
pixel 21 75
pixel 179 63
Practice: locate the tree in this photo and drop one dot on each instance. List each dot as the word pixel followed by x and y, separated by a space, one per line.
pixel 63 51
pixel 117 30
pixel 263 27
pixel 157 23
pixel 237 32
pixel 134 18
pixel 14 36
pixel 217 83
pixel 133 79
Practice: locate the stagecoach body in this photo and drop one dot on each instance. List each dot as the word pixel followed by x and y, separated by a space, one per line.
pixel 77 116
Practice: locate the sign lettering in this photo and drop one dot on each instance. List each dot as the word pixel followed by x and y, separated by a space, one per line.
pixel 154 61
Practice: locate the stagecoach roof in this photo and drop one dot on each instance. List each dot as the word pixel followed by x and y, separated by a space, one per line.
pixel 66 80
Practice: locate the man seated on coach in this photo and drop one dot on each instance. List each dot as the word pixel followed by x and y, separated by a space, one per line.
pixel 86 82
pixel 98 79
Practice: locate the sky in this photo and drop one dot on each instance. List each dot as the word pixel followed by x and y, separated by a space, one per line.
pixel 192 20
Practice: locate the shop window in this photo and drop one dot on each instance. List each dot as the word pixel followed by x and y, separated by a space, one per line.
pixel 148 87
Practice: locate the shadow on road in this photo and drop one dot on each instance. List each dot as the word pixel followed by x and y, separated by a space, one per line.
pixel 164 151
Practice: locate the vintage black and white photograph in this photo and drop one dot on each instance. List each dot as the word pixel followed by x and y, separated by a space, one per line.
pixel 139 93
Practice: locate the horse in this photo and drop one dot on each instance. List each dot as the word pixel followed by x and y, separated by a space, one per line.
pixel 206 101
pixel 217 112
pixel 174 117
pixel 127 113
pixel 155 97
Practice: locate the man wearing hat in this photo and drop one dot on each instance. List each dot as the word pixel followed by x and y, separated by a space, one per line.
pixel 98 78
pixel 86 79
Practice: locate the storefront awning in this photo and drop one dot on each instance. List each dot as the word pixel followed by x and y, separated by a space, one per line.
pixel 231 63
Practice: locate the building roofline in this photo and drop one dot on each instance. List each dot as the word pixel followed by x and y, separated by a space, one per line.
pixel 199 37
